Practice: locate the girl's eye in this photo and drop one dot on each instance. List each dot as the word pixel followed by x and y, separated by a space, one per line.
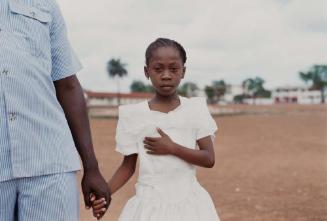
pixel 157 69
pixel 173 70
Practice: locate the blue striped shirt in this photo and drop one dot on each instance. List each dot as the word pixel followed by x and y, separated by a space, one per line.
pixel 35 138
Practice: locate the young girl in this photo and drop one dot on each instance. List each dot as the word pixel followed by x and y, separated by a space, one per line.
pixel 171 135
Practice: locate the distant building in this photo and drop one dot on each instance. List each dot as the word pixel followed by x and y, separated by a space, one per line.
pixel 200 93
pixel 300 95
pixel 105 99
pixel 231 92
pixel 258 101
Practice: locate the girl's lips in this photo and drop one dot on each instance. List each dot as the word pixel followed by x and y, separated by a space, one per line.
pixel 166 87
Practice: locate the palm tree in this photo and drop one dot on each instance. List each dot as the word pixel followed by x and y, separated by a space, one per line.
pixel 318 76
pixel 116 69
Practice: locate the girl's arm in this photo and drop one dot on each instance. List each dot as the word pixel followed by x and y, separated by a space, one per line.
pixel 123 173
pixel 204 157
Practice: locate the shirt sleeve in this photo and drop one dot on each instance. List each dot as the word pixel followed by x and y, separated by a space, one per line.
pixel 64 60
pixel 126 141
pixel 206 125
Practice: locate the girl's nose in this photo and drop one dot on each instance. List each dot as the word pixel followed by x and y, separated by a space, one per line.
pixel 166 75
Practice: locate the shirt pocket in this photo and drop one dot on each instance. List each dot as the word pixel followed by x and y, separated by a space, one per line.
pixel 32 24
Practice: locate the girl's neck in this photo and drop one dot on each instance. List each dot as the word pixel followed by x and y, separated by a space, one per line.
pixel 166 99
pixel 164 104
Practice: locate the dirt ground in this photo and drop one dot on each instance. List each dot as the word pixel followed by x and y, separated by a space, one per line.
pixel 269 167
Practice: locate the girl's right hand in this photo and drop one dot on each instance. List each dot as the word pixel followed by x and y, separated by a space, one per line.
pixel 98 206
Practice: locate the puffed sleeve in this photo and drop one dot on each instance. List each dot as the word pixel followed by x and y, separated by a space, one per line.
pixel 126 141
pixel 206 125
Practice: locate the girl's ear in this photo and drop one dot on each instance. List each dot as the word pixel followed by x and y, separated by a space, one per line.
pixel 146 72
pixel 184 71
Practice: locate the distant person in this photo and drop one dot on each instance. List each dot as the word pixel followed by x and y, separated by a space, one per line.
pixel 43 119
pixel 170 135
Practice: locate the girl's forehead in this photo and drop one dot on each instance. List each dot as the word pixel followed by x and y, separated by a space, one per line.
pixel 165 53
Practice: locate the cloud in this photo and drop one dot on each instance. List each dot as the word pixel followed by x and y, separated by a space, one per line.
pixel 229 40
pixel 307 16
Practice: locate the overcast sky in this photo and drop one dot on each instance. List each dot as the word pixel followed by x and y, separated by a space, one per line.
pixel 230 40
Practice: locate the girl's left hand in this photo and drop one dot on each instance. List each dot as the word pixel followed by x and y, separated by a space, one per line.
pixel 159 145
pixel 98 206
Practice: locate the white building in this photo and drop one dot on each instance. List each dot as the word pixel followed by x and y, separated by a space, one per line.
pixel 105 99
pixel 200 93
pixel 259 101
pixel 300 95
pixel 231 92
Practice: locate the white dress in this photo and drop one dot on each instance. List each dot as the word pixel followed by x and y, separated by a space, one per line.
pixel 167 188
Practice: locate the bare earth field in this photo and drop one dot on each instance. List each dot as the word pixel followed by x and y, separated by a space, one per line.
pixel 269 167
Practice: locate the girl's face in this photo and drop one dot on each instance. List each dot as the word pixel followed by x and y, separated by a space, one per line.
pixel 165 69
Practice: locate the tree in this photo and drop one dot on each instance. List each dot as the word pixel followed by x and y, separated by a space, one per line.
pixel 210 93
pixel 139 86
pixel 215 91
pixel 117 70
pixel 318 76
pixel 253 87
pixel 188 89
pixel 238 99
pixel 219 88
pixel 149 88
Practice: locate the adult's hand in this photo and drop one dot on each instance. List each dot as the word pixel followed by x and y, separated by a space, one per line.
pixel 94 183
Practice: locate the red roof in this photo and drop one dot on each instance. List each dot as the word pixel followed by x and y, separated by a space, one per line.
pixel 92 94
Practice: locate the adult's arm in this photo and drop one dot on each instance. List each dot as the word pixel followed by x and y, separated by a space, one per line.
pixel 70 95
